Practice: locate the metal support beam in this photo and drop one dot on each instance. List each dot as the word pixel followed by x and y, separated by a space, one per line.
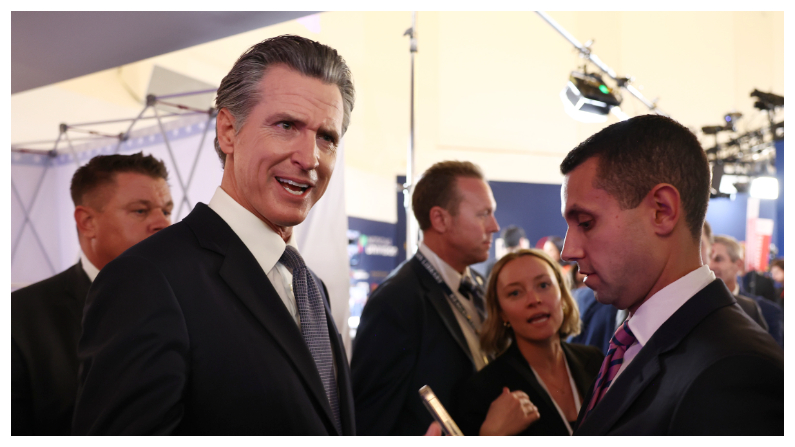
pixel 173 160
pixel 411 226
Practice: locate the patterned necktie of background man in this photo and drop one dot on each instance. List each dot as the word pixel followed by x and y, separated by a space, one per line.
pixel 475 294
pixel 314 327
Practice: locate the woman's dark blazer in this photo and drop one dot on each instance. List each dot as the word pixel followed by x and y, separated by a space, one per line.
pixel 512 370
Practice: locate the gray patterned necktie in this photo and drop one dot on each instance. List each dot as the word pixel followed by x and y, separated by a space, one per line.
pixel 314 327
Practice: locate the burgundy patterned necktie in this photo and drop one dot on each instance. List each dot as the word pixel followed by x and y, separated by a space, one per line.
pixel 314 327
pixel 622 339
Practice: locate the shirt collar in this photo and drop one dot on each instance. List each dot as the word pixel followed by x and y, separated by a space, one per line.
pixel 657 309
pixel 450 276
pixel 88 267
pixel 266 246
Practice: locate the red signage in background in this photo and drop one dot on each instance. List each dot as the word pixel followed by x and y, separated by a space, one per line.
pixel 758 233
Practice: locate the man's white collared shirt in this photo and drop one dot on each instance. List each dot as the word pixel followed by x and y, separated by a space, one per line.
pixel 88 267
pixel 659 308
pixel 266 246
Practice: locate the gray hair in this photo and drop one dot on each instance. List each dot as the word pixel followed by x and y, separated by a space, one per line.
pixel 239 90
pixel 733 248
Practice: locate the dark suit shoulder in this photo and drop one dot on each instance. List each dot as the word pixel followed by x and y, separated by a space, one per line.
pixel 738 395
pixel 45 288
pixel 729 332
pixel 404 276
pixel 402 289
pixel 750 306
pixel 58 297
pixel 166 246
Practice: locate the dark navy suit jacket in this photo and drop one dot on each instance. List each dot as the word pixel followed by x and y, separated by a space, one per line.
pixel 408 337
pixel 184 334
pixel 45 328
pixel 708 370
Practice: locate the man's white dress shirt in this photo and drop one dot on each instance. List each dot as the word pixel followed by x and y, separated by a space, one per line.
pixel 657 309
pixel 88 267
pixel 266 246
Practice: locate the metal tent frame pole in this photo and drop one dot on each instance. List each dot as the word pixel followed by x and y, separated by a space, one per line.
pixel 210 118
pixel 411 228
pixel 27 210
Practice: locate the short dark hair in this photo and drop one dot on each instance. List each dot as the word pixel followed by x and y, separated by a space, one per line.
pixel 239 91
pixel 778 262
pixel 644 151
pixel 512 235
pixel 102 169
pixel 438 187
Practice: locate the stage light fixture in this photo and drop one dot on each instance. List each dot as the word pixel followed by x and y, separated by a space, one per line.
pixel 764 188
pixel 587 98
pixel 727 184
pixel 767 101
pixel 732 184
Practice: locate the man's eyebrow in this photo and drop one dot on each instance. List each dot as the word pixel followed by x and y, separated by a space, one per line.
pixel 281 116
pixel 285 116
pixel 170 203
pixel 574 211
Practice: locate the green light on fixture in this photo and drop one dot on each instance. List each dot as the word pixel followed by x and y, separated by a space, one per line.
pixel 603 88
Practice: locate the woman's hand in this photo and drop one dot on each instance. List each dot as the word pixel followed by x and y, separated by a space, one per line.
pixel 509 414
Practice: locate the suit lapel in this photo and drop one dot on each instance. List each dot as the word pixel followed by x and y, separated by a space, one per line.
pixel 520 365
pixel 77 286
pixel 578 367
pixel 646 365
pixel 79 283
pixel 245 277
pixel 436 295
pixel 623 392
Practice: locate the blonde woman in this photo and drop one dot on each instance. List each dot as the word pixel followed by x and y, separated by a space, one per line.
pixel 530 313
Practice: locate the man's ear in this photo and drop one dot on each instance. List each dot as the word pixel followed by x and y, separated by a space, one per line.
pixel 225 130
pixel 740 263
pixel 666 204
pixel 86 221
pixel 440 219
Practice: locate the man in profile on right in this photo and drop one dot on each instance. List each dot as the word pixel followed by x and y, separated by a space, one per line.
pixel 687 361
